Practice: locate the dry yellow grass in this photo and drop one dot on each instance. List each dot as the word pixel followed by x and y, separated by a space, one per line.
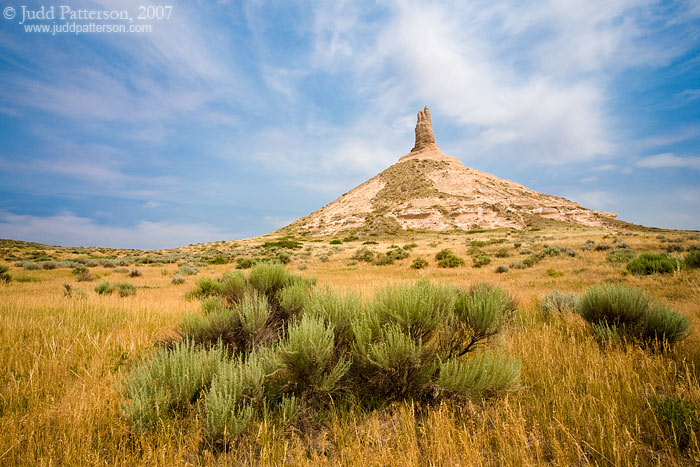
pixel 63 358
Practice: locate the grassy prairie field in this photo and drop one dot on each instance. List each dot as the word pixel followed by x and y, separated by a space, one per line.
pixel 64 352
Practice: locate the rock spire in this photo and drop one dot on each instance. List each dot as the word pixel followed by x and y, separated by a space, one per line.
pixel 424 132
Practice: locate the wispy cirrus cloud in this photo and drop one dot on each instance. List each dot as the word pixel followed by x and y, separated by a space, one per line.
pixel 68 229
pixel 669 160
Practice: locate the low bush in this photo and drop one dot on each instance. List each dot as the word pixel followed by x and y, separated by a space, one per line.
pixel 620 256
pixel 126 289
pixel 630 312
pixel 79 269
pixel 286 350
pixel 4 275
pixel 480 260
pixel 178 279
pixel 134 273
pixel 692 259
pixel 187 270
pixel 501 268
pixel 558 302
pixel 283 243
pixel 502 253
pixel 167 383
pixel 679 420
pixel 363 254
pixel 245 263
pixel 447 259
pixel 603 247
pixel 383 259
pixel 419 263
pixel 335 241
pixel 104 288
pixel 651 263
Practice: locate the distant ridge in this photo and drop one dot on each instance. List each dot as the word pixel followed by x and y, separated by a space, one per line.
pixel 428 190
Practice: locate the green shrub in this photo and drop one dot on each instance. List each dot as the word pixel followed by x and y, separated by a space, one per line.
pixel 558 302
pixel 419 263
pixel 308 359
pixel 480 260
pixel 85 277
pixel 104 288
pixel 283 258
pixel 335 242
pixel 552 251
pixel 613 304
pixel 126 289
pixel 447 259
pixel 416 309
pixel 178 279
pixel 186 270
pixel 134 273
pixel 501 268
pixel 651 263
pixel 679 420
pixel 336 310
pixel 485 374
pixel 294 298
pixel 620 256
pixel 167 384
pixel 245 263
pixel 268 278
pixel 351 238
pixel 631 312
pixel 481 313
pixel 397 254
pixel 233 286
pixel 394 365
pixel 383 259
pixel 692 259
pixel 4 275
pixel 206 287
pixel 213 305
pixel 218 259
pixel 283 243
pixel 79 269
pixel 236 391
pixel 48 265
pixel 502 253
pixel 363 254
pixel 664 324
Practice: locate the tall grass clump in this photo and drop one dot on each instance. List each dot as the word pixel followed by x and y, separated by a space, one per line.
pixel 630 312
pixel 167 384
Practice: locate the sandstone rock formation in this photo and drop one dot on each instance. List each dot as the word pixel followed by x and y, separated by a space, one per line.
pixel 428 190
pixel 424 132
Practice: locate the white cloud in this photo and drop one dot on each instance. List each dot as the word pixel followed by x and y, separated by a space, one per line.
pixel 70 230
pixel 589 179
pixel 669 160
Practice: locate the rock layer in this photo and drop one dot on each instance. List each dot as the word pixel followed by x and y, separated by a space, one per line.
pixel 428 190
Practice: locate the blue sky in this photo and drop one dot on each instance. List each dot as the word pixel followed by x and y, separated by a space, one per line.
pixel 233 118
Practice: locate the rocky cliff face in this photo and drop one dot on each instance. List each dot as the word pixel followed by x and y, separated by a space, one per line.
pixel 428 190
